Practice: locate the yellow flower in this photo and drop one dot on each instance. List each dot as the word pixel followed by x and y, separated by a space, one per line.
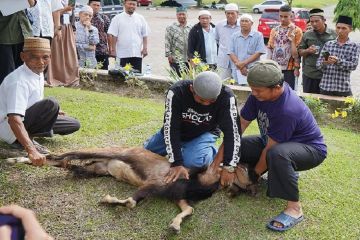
pixel 196 60
pixel 232 81
pixel 333 115
pixel 128 67
pixel 204 68
pixel 350 100
pixel 336 113
pixel 343 114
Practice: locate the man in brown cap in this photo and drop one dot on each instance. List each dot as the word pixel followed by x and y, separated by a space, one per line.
pixel 338 59
pixel 24 114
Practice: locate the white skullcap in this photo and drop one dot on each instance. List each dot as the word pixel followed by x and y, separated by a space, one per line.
pixel 246 16
pixel 87 8
pixel 204 12
pixel 207 85
pixel 231 7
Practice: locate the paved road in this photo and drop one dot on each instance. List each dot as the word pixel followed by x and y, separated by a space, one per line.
pixel 159 19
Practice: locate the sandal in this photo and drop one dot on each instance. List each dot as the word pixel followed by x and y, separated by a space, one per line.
pixel 284 219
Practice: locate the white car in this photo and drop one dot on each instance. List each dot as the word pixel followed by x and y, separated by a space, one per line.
pixel 273 4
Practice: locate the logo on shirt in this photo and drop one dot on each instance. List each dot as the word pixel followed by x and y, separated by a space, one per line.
pixel 263 122
pixel 196 118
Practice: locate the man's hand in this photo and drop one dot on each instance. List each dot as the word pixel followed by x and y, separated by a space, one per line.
pixel 36 158
pixel 312 49
pixel 227 178
pixel 62 113
pixel 57 33
pixel 296 72
pixel 144 52
pixel 332 59
pixel 240 65
pixel 253 175
pixel 175 172
pixel 244 71
pixel 92 47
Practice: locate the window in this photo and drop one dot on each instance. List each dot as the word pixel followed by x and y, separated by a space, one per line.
pixel 271 15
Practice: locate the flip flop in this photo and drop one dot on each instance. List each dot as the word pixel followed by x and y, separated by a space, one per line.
pixel 286 220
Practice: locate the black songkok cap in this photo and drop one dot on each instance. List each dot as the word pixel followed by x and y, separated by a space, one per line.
pixel 345 19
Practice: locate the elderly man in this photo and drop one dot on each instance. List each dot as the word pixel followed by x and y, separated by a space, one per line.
pixel 102 23
pixel 311 44
pixel 224 30
pixel 129 36
pixel 250 40
pixel 176 40
pixel 290 139
pixel 194 110
pixel 202 40
pixel 283 42
pixel 337 59
pixel 24 114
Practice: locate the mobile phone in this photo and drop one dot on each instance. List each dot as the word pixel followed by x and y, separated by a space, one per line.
pixel 326 55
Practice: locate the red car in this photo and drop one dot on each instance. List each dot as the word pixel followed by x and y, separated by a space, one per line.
pixel 270 19
pixel 144 2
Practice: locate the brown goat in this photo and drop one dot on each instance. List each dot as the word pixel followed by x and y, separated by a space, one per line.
pixel 147 170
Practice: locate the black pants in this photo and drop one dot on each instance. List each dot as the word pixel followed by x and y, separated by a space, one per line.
pixel 176 67
pixel 289 77
pixel 104 59
pixel 43 117
pixel 9 58
pixel 134 61
pixel 335 93
pixel 283 161
pixel 310 85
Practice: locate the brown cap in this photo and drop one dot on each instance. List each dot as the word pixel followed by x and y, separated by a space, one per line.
pixel 35 43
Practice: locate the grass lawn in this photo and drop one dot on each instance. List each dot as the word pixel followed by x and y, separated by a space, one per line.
pixel 68 207
pixel 249 3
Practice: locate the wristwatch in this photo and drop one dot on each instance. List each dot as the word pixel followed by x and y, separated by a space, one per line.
pixel 230 169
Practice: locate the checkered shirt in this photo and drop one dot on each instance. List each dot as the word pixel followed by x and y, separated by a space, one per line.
pixel 336 77
pixel 176 41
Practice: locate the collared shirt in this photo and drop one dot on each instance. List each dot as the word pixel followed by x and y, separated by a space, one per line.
pixel 41 17
pixel 243 47
pixel 176 41
pixel 102 23
pixel 14 28
pixel 19 91
pixel 210 45
pixel 336 77
pixel 130 31
pixel 84 38
pixel 224 31
pixel 309 38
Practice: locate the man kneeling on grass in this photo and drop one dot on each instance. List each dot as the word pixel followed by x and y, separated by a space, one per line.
pixel 24 114
pixel 289 140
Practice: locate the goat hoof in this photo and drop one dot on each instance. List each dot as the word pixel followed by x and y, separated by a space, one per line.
pixel 106 199
pixel 175 228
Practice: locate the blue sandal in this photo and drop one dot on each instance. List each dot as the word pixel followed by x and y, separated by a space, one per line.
pixel 284 219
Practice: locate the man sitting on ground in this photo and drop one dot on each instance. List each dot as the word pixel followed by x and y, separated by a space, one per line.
pixel 24 114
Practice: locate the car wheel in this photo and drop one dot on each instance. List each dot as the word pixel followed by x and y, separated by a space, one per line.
pixel 256 10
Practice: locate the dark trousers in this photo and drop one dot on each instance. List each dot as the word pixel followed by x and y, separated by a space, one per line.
pixel 335 93
pixel 289 77
pixel 283 161
pixel 104 59
pixel 134 61
pixel 310 85
pixel 9 58
pixel 43 117
pixel 176 67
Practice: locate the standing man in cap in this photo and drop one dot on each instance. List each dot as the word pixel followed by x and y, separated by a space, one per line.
pixel 102 23
pixel 246 47
pixel 194 110
pixel 224 30
pixel 24 114
pixel 337 59
pixel 128 38
pixel 290 139
pixel 283 42
pixel 202 40
pixel 310 47
pixel 176 40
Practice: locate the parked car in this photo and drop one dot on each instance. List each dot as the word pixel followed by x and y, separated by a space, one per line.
pixel 144 2
pixel 108 7
pixel 273 4
pixel 178 3
pixel 270 19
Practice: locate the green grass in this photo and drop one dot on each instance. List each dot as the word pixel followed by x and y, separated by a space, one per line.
pixel 68 208
pixel 249 3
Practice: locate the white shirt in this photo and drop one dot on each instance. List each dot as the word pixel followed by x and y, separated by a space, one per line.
pixel 210 45
pixel 19 91
pixel 41 17
pixel 130 31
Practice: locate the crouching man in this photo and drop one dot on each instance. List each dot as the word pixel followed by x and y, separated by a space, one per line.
pixel 290 139
pixel 194 110
pixel 24 113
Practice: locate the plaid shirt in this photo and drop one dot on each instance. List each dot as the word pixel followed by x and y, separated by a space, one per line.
pixel 102 23
pixel 336 77
pixel 176 41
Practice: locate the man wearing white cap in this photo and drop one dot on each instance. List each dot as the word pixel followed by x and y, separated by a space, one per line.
pixel 224 30
pixel 202 39
pixel 24 114
pixel 246 47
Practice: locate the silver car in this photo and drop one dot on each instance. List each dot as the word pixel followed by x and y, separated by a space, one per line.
pixel 272 4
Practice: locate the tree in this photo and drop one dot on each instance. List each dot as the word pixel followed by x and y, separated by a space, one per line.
pixel 350 8
pixel 290 2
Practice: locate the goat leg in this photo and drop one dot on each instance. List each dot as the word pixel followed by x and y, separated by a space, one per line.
pixel 129 202
pixel 186 210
